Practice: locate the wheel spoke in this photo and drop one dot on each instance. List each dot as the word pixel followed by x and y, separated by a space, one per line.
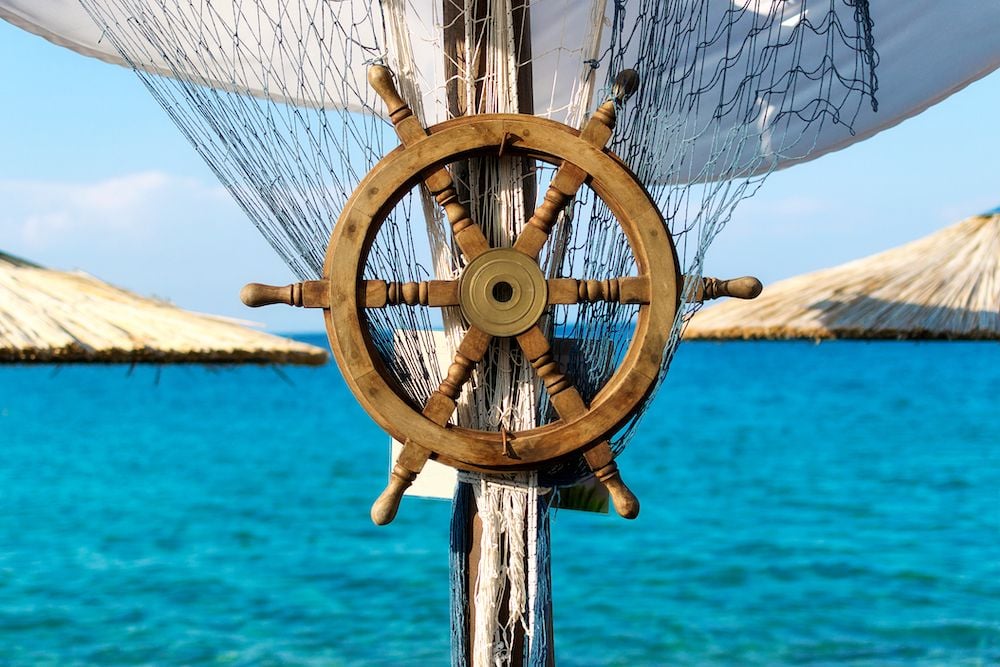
pixel 561 190
pixel 629 289
pixel 569 178
pixel 441 404
pixel 562 393
pixel 570 405
pixel 307 294
pixel 468 235
pixel 435 293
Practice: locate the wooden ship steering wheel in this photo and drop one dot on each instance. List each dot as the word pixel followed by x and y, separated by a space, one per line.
pixel 501 292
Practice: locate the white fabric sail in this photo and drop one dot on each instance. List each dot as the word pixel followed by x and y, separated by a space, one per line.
pixel 927 51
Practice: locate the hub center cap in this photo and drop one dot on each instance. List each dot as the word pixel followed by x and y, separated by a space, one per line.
pixel 503 292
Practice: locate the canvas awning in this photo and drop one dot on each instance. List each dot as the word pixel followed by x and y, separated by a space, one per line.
pixel 56 316
pixel 943 286
pixel 927 50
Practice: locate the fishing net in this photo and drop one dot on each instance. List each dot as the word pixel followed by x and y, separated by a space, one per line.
pixel 273 96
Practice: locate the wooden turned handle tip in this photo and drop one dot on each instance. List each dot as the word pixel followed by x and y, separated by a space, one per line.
pixel 380 79
pixel 386 506
pixel 625 502
pixel 257 294
pixel 746 287
pixel 625 85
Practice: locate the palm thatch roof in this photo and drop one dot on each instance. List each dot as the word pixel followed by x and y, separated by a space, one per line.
pixel 55 316
pixel 942 286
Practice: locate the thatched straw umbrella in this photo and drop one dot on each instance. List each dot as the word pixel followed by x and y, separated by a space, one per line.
pixel 54 316
pixel 943 286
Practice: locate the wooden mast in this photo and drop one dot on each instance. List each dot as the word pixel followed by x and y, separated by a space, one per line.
pixel 461 65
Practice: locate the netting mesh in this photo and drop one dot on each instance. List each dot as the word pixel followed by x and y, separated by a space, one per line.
pixel 260 90
pixel 272 93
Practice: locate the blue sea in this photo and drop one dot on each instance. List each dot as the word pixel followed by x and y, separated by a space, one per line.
pixel 833 504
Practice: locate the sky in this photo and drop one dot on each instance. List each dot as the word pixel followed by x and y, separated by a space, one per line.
pixel 94 176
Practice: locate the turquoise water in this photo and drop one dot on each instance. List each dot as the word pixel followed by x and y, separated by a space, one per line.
pixel 802 504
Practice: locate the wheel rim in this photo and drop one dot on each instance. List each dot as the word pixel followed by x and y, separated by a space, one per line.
pixel 381 190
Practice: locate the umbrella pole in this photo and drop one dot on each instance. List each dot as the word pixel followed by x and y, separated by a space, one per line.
pixel 460 64
pixel 473 534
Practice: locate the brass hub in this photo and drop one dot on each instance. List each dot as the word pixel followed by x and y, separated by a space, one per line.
pixel 503 292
